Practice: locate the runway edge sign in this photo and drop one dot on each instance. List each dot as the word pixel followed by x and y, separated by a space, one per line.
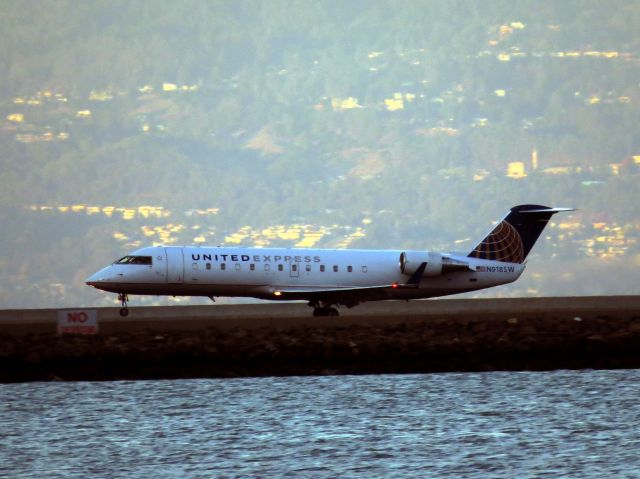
pixel 78 321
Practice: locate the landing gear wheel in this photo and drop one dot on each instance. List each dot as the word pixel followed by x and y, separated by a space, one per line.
pixel 332 312
pixel 124 311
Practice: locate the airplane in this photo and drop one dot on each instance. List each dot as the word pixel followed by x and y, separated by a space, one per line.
pixel 327 278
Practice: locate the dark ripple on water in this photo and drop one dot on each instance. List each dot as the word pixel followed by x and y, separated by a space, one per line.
pixel 503 424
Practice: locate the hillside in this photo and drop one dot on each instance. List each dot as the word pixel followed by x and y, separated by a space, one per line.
pixel 350 124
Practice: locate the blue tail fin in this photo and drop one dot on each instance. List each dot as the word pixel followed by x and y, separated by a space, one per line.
pixel 512 239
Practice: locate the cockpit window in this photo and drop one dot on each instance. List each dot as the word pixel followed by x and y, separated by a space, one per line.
pixel 135 260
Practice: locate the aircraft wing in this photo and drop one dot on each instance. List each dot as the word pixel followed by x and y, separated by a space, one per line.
pixel 324 294
pixel 348 294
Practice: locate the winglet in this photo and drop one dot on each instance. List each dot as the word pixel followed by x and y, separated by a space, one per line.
pixel 414 281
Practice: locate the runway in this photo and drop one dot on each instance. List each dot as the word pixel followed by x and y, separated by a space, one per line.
pixel 279 315
pixel 284 339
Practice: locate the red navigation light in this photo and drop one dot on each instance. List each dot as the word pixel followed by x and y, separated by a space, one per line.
pixel 394 285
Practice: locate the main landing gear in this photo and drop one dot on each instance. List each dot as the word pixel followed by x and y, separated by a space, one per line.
pixel 321 310
pixel 124 311
pixel 325 312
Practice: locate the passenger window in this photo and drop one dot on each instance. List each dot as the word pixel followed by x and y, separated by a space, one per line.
pixel 208 265
pixel 280 267
pixel 294 267
pixel 308 267
pixel 195 266
pixel 252 267
pixel 237 266
pixel 267 267
pixel 350 269
pixel 223 266
pixel 335 268
pixel 322 268
pixel 364 269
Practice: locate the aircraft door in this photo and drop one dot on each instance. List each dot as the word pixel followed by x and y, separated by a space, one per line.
pixel 175 265
pixel 294 269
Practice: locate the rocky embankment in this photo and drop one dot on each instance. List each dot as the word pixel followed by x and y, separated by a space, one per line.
pixel 460 342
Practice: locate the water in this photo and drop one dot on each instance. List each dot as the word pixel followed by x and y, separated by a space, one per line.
pixel 502 424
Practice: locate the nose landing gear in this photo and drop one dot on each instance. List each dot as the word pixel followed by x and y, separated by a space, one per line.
pixel 123 297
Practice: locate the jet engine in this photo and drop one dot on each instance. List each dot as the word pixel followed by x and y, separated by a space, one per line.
pixel 410 261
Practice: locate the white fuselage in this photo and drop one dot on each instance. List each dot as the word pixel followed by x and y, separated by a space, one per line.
pixel 266 272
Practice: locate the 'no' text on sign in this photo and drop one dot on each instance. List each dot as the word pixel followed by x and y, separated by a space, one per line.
pixel 78 321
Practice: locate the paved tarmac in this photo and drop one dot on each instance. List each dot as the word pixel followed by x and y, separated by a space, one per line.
pixel 284 339
pixel 279 315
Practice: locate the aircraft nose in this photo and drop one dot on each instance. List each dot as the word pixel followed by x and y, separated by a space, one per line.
pixel 93 280
pixel 104 277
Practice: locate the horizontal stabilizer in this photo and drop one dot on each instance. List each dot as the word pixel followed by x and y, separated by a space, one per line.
pixel 548 210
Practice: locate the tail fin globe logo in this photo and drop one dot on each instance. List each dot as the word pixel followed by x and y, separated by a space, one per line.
pixel 512 239
pixel 502 244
